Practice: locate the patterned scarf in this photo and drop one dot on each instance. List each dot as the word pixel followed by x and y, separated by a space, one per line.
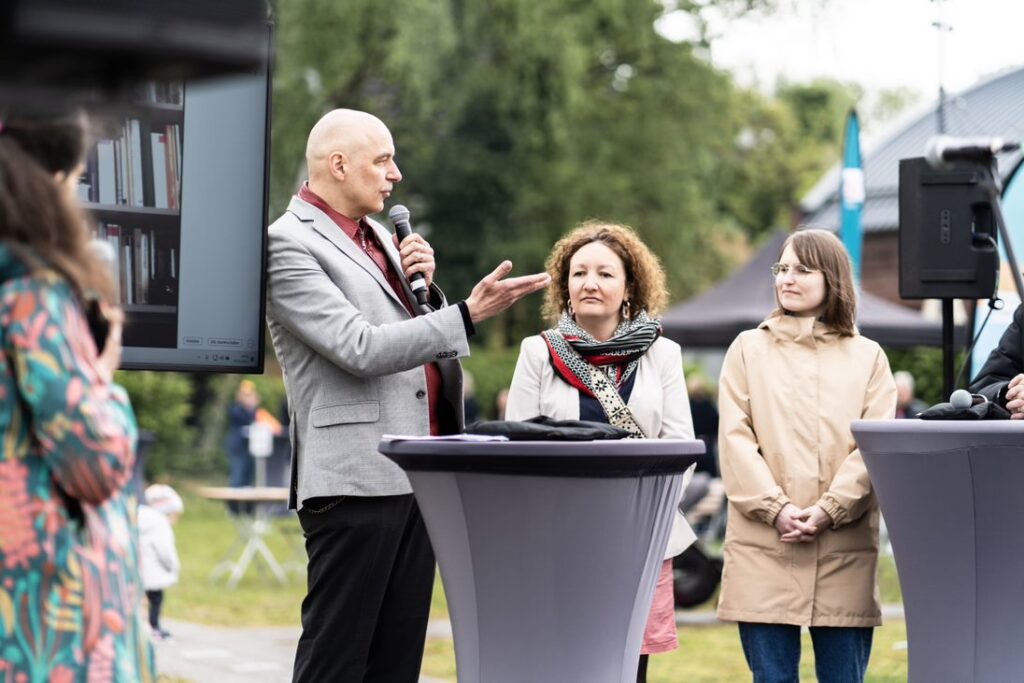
pixel 573 350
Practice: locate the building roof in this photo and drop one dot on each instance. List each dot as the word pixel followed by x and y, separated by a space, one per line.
pixel 713 318
pixel 993 108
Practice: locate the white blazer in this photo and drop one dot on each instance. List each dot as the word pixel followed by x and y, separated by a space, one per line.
pixel 659 403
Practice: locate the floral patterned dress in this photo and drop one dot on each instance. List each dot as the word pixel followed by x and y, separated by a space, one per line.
pixel 69 582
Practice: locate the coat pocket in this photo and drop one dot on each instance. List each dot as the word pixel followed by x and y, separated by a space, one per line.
pixel 348 413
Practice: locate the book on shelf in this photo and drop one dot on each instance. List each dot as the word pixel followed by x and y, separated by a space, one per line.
pixel 123 171
pixel 159 147
pixel 146 265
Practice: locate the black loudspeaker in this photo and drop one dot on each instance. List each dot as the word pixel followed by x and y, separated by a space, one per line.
pixel 947 233
pixel 106 43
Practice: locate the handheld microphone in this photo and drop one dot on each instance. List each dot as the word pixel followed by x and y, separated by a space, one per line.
pixel 399 216
pixel 942 150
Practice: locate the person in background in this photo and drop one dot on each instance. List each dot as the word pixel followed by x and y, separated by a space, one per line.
pixel 70 595
pixel 705 423
pixel 907 406
pixel 801 543
pixel 606 289
pixel 241 414
pixel 160 563
pixel 470 407
pixel 500 403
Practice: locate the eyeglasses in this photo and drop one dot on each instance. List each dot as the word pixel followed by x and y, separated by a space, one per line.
pixel 799 270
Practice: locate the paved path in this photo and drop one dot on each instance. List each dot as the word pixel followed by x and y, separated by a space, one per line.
pixel 215 654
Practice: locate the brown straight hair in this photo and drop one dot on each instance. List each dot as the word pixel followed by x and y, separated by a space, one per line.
pixel 40 226
pixel 821 250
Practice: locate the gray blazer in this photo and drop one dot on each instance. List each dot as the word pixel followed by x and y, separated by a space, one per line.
pixel 352 356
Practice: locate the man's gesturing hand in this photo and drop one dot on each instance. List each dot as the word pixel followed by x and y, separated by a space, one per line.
pixel 492 295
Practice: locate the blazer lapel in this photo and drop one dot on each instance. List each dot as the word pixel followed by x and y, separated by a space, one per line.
pixel 328 229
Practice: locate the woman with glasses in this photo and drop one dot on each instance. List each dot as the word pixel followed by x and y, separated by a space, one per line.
pixel 801 544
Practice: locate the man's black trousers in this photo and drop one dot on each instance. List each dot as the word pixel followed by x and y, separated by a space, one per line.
pixel 370 576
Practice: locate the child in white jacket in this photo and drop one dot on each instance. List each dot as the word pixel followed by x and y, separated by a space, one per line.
pixel 160 565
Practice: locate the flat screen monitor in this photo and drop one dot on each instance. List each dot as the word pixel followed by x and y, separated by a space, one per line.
pixel 176 186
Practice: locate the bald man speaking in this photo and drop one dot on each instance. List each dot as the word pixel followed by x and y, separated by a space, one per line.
pixel 360 360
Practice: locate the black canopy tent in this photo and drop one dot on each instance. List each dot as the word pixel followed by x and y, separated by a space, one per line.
pixel 713 318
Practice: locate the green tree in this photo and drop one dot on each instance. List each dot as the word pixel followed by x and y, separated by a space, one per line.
pixel 516 119
pixel 161 404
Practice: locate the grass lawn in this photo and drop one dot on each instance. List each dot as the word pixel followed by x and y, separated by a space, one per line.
pixel 712 654
pixel 708 654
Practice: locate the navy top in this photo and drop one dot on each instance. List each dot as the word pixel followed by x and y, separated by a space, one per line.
pixel 590 407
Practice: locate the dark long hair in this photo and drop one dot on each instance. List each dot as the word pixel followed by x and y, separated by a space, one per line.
pixel 38 223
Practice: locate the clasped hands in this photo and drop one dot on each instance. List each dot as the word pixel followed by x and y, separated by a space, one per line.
pixel 801 526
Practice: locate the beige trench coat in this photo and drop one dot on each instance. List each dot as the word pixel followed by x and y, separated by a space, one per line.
pixel 787 395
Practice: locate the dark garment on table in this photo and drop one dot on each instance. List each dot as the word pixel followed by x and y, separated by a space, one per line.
pixel 370 577
pixel 590 407
pixel 1004 363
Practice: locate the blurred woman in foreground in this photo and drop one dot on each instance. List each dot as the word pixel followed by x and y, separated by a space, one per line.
pixel 69 581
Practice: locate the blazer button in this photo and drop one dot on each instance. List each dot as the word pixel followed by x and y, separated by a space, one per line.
pixel 420 393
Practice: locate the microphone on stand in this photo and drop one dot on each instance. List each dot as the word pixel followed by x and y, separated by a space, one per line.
pixel 942 150
pixel 399 217
pixel 961 398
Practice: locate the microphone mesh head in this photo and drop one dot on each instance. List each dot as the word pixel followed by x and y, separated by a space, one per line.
pixel 398 213
pixel 961 399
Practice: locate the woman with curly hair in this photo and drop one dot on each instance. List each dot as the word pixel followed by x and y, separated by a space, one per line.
pixel 70 594
pixel 604 357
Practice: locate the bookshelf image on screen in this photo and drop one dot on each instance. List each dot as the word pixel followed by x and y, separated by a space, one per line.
pixel 132 187
pixel 175 185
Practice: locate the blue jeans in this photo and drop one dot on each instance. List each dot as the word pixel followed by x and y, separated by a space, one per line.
pixel 773 652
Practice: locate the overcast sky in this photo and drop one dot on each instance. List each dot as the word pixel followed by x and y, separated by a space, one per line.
pixel 877 43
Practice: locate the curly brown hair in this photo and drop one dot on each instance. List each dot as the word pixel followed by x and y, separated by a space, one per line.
pixel 645 279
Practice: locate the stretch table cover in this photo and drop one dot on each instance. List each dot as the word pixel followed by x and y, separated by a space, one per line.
pixel 951 494
pixel 549 551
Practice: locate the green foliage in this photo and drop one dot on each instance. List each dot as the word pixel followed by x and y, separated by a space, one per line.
pixel 492 371
pixel 516 119
pixel 925 364
pixel 161 403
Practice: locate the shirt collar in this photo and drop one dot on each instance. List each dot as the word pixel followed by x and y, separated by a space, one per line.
pixel 349 226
